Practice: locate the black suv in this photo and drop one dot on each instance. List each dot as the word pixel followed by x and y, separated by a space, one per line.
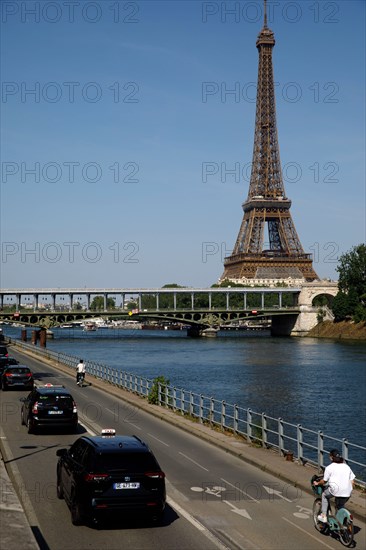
pixel 48 407
pixel 15 376
pixel 7 362
pixel 101 476
pixel 4 352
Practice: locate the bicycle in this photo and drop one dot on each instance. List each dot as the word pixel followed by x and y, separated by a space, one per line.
pixel 340 523
pixel 80 376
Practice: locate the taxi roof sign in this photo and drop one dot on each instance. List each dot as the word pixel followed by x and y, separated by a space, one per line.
pixel 108 432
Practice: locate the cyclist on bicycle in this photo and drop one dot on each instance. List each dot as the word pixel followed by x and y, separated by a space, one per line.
pixel 80 371
pixel 339 477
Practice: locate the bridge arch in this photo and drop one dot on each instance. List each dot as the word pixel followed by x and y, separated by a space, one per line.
pixel 324 299
pixel 311 293
pixel 309 308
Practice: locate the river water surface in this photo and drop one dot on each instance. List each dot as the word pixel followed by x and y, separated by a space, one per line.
pixel 318 383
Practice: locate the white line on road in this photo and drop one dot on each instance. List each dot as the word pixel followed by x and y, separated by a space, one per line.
pixel 272 491
pixel 135 426
pixel 196 524
pixel 309 534
pixel 160 441
pixel 194 462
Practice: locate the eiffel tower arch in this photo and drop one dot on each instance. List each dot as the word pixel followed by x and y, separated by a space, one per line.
pixel 277 254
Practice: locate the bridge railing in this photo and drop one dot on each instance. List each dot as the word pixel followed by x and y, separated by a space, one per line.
pixel 303 444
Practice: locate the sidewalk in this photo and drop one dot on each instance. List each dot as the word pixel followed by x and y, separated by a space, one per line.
pixel 20 535
pixel 15 531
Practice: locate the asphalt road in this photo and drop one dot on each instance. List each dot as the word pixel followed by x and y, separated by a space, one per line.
pixel 215 500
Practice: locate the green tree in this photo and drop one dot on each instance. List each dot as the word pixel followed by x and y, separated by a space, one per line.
pixel 153 396
pixel 97 303
pixel 352 270
pixel 350 300
pixel 341 306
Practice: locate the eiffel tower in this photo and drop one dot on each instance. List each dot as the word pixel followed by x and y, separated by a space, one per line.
pixel 267 206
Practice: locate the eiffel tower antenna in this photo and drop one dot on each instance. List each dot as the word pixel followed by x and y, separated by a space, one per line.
pixel 265 14
pixel 267 206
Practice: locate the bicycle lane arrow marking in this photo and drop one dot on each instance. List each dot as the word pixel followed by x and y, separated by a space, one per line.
pixel 236 510
pixel 271 491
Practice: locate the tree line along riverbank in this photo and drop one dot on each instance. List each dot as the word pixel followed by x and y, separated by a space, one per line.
pixel 341 330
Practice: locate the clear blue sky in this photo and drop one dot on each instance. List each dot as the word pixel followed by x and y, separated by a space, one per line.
pixel 115 167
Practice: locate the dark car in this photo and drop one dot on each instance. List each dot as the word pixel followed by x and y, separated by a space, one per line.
pixel 6 362
pixel 4 352
pixel 17 376
pixel 102 476
pixel 49 407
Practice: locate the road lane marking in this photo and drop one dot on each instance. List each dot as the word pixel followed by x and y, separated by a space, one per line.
pixel 309 534
pixel 194 462
pixel 271 491
pixel 240 511
pixel 303 513
pixel 240 490
pixel 160 441
pixel 198 525
pixel 135 426
pixel 215 490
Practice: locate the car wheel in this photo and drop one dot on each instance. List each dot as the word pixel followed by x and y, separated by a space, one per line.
pixel 75 509
pixel 22 418
pixel 4 387
pixel 59 489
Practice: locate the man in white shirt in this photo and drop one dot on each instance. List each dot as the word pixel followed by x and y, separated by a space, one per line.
pixel 80 371
pixel 340 479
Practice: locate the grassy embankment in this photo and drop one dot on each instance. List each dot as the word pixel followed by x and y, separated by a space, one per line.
pixel 342 330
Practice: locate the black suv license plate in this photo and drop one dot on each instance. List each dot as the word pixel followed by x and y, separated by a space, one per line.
pixel 130 485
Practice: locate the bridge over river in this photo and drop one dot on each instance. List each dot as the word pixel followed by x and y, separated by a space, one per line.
pixel 290 309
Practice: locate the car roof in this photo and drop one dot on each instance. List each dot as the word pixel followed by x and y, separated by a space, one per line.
pixel 60 390
pixel 117 443
pixel 8 367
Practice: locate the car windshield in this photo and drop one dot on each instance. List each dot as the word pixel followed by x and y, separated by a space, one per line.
pixel 126 462
pixel 18 370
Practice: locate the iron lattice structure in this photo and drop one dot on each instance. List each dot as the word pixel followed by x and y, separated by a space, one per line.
pixel 267 206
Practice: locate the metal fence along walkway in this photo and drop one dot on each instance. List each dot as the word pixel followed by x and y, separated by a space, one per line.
pixel 306 445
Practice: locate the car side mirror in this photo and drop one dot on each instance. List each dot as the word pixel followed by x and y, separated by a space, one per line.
pixel 23 399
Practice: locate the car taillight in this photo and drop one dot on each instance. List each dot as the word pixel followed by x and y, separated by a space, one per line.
pixel 35 408
pixel 95 477
pixel 8 374
pixel 155 475
pixel 29 374
pixel 74 407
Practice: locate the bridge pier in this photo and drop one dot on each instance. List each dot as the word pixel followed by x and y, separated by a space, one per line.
pixel 296 325
pixel 195 331
pixel 283 325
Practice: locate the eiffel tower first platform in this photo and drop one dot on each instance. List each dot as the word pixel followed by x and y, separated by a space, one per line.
pixel 267 207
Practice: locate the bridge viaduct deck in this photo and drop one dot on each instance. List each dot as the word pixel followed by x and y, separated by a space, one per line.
pixel 290 308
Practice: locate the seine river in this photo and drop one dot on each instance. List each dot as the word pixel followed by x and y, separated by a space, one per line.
pixel 318 383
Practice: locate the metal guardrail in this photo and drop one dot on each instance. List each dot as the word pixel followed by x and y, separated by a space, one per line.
pixel 306 445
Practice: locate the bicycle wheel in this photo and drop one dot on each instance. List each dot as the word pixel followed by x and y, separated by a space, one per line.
pixel 317 508
pixel 346 533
